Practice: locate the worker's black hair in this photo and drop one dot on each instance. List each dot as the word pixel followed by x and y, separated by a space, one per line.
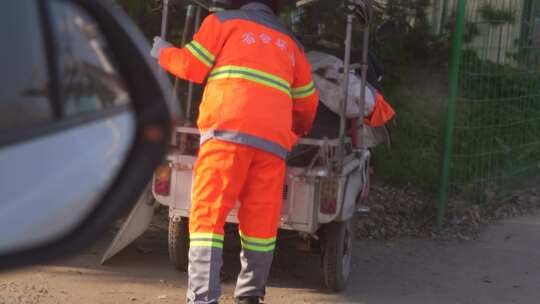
pixel 269 3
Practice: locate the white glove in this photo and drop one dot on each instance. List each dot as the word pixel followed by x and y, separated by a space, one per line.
pixel 159 44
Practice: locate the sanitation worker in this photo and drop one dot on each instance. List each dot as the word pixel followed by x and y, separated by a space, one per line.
pixel 259 99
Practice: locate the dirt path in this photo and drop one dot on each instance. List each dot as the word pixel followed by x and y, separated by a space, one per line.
pixel 502 267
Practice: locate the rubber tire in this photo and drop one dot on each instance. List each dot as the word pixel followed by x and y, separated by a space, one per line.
pixel 178 242
pixel 334 271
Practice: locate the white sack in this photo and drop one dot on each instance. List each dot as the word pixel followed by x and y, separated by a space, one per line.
pixel 329 81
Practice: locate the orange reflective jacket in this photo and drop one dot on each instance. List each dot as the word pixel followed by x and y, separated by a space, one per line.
pixel 259 88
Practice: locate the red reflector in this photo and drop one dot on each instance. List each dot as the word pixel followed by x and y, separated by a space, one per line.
pixel 162 180
pixel 329 207
pixel 328 197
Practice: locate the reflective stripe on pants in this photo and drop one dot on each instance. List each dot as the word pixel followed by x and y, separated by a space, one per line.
pixel 226 172
pixel 256 259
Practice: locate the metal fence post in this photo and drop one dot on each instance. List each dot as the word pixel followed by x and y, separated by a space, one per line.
pixel 451 112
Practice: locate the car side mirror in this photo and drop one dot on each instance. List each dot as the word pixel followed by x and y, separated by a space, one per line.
pixel 82 129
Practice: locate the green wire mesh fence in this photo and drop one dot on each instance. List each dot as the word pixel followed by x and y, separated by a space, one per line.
pixel 496 142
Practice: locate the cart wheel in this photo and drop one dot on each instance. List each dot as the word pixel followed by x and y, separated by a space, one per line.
pixel 179 243
pixel 337 254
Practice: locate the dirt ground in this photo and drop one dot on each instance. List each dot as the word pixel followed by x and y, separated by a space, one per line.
pixel 502 266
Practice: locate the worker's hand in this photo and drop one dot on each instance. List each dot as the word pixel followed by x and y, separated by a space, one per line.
pixel 159 44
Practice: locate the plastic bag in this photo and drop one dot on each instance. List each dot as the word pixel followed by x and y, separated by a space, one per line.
pixel 329 77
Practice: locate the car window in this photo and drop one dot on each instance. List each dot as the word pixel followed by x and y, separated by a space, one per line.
pixel 24 97
pixel 88 78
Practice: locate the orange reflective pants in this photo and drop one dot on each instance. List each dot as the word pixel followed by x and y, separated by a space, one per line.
pixel 224 174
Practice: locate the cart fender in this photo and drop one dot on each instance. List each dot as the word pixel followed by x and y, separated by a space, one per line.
pixel 135 225
pixel 352 188
pixel 353 185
